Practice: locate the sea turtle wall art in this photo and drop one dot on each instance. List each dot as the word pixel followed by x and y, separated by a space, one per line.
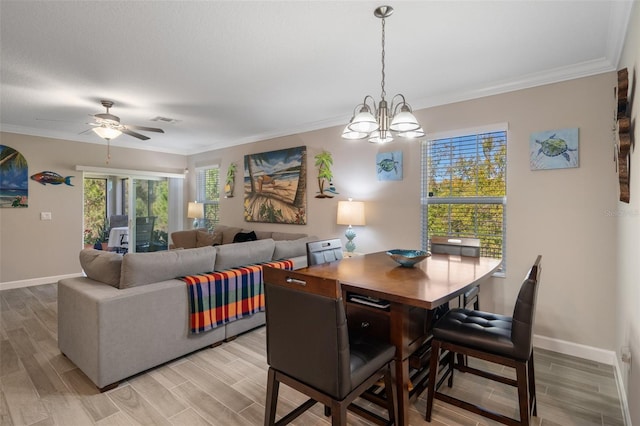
pixel 389 165
pixel 554 149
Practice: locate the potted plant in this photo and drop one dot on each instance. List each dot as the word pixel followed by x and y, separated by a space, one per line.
pixel 102 240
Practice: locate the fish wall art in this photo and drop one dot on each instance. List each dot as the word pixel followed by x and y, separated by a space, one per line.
pixel 51 178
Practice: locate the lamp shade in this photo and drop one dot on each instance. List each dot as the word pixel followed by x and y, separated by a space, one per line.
pixel 195 210
pixel 107 133
pixel 351 213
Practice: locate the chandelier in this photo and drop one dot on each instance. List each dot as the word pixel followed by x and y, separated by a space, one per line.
pixel 378 124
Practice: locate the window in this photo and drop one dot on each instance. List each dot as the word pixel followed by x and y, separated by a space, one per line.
pixel 208 193
pixel 464 188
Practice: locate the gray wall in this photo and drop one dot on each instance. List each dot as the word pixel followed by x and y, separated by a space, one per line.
pixel 628 235
pixel 561 214
pixel 36 250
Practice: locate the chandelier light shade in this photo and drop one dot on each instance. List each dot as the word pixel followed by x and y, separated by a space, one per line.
pixel 106 132
pixel 195 211
pixel 351 213
pixel 379 123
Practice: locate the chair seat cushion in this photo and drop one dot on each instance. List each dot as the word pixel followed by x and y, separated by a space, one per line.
pixel 367 357
pixel 476 329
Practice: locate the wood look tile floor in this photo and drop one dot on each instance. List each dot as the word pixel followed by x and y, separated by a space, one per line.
pixel 226 385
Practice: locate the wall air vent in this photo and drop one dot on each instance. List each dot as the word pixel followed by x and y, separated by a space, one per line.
pixel 165 120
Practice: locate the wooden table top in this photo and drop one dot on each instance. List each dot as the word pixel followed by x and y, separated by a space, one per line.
pixel 432 282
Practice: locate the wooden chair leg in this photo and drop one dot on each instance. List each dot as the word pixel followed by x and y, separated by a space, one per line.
pixel 533 401
pixel 272 398
pixel 390 390
pixel 338 414
pixel 433 375
pixel 523 392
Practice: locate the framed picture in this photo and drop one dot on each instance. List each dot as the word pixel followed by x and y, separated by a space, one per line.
pixel 554 149
pixel 389 165
pixel 275 186
pixel 14 179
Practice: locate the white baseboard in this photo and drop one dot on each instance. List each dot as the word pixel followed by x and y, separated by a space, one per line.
pixel 623 394
pixel 575 349
pixel 36 281
pixel 593 354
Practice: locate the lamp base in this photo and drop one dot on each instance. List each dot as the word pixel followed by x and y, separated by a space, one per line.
pixel 350 234
pixel 195 223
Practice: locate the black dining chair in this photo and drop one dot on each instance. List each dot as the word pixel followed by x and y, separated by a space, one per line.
pixel 309 349
pixel 144 233
pixel 324 251
pixel 495 338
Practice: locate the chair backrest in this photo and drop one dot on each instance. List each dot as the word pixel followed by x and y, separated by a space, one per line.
pixel 458 246
pixel 524 312
pixel 118 220
pixel 307 336
pixel 324 251
pixel 144 229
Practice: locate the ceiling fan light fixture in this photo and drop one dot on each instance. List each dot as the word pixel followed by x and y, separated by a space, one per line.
pixel 106 132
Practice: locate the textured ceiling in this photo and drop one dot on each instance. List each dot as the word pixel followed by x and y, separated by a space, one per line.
pixel 233 72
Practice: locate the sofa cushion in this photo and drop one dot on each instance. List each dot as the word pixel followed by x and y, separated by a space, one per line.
pixel 185 239
pixel 228 232
pixel 242 237
pixel 240 254
pixel 263 234
pixel 279 236
pixel 204 238
pixel 146 268
pixel 286 249
pixel 101 266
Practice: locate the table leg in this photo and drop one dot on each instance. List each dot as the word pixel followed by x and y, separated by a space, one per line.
pixel 398 329
pixel 402 388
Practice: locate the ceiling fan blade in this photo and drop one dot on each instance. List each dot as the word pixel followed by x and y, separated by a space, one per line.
pixel 145 129
pixel 85 131
pixel 134 134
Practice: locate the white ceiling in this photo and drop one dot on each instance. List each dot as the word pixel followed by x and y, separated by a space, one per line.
pixel 233 72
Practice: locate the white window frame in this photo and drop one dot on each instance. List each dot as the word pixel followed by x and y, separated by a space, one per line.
pixel 201 193
pixel 425 200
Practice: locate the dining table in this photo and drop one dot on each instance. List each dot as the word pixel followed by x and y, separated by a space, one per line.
pixel 398 303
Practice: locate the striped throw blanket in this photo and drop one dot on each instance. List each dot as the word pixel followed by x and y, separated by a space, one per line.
pixel 221 297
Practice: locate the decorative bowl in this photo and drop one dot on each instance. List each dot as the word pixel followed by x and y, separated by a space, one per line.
pixel 408 258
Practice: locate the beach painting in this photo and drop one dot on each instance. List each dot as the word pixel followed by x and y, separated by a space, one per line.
pixel 14 178
pixel 275 186
pixel 553 149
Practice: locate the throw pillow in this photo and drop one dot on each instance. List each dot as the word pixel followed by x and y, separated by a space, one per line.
pixel 101 266
pixel 242 237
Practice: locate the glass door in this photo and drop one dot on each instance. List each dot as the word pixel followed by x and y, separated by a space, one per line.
pixel 149 204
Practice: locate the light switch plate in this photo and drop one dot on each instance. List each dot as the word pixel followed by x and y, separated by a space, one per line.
pixel 45 215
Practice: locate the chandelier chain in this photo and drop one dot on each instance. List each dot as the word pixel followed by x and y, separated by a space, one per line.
pixel 383 74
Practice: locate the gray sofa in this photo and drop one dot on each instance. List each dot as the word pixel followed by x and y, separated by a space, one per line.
pixel 130 313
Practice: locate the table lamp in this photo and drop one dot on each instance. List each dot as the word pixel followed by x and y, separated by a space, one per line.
pixel 350 213
pixel 195 211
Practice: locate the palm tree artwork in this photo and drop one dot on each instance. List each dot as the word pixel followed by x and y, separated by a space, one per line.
pixel 324 161
pixel 231 181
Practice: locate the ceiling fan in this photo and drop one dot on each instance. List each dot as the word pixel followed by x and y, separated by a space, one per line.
pixel 108 126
